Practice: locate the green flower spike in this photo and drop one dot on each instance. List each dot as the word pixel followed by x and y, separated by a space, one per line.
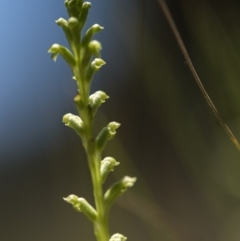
pixel 106 134
pixel 118 189
pixel 81 205
pixel 84 59
pixel 118 237
pixel 107 165
pixel 74 122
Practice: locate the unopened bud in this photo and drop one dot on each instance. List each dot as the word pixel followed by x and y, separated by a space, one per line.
pixel 64 24
pixel 73 10
pixel 84 13
pixel 73 22
pixel 79 5
pixel 95 47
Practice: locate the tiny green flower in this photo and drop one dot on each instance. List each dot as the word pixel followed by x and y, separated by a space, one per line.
pixel 107 165
pixel 118 237
pixel 57 49
pixel 117 189
pixel 106 134
pixel 84 13
pixel 73 7
pixel 96 64
pixel 81 205
pixel 74 122
pixel 113 126
pixel 90 33
pixel 96 100
pixel 64 24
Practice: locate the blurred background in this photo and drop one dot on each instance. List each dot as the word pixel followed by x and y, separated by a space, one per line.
pixel 188 170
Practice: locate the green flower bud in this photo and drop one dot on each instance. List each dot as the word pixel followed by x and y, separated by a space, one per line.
pixel 64 24
pixel 117 189
pixel 93 68
pixel 90 33
pixel 84 13
pixel 79 4
pixel 78 103
pixel 107 165
pixel 73 22
pixel 106 134
pixel 118 237
pixel 72 199
pixel 81 205
pixel 72 8
pixel 95 47
pixel 96 99
pixel 57 49
pixel 74 122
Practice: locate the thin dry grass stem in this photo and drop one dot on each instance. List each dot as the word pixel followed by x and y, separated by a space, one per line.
pixel 183 49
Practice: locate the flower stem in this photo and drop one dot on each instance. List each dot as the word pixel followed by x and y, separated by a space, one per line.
pixel 94 158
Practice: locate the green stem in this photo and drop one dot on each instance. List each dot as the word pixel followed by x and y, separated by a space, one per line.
pixel 94 158
pixel 101 224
